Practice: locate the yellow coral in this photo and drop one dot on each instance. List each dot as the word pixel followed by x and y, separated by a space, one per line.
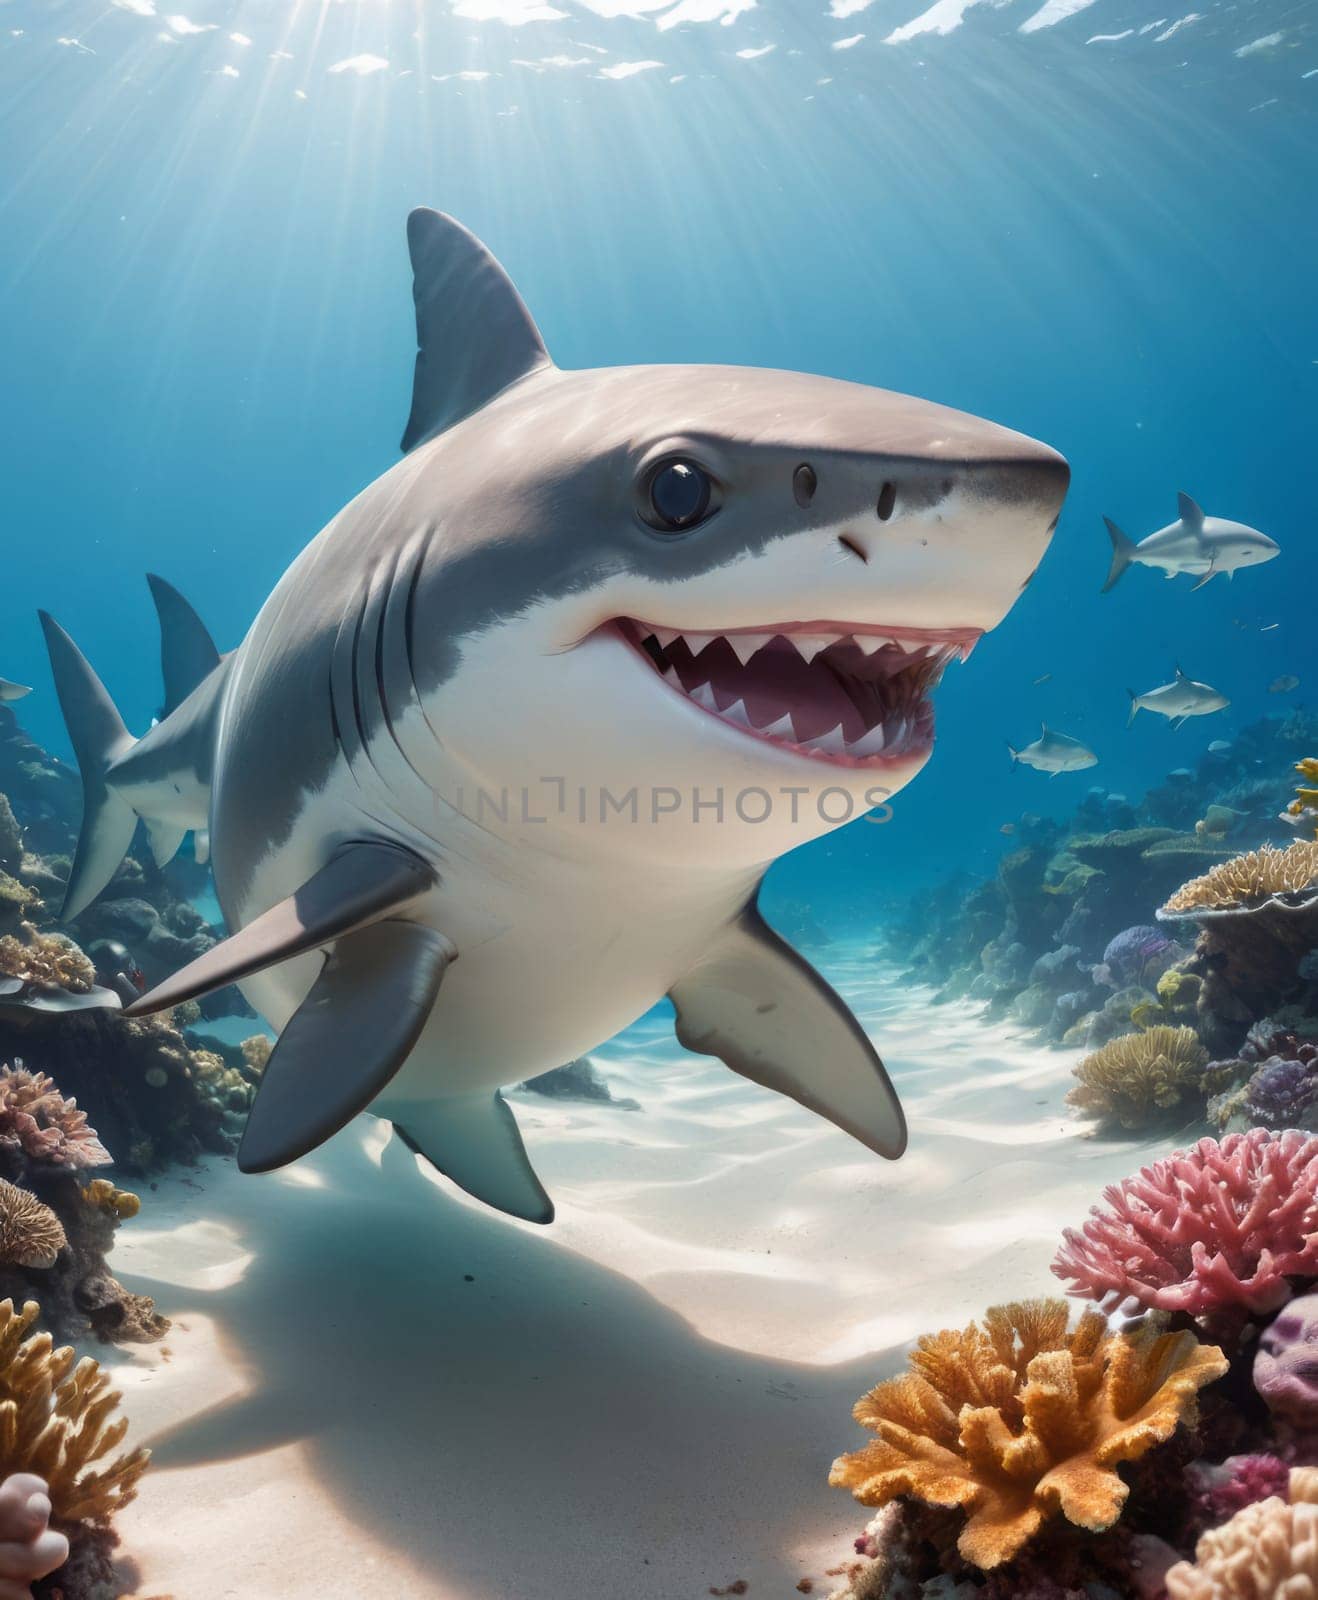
pixel 1020 1418
pixel 48 960
pixel 55 1422
pixel 1306 798
pixel 1268 1551
pixel 31 1235
pixel 120 1203
pixel 1250 879
pixel 1131 1079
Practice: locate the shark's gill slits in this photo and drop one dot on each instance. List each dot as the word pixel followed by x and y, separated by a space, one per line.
pixel 844 695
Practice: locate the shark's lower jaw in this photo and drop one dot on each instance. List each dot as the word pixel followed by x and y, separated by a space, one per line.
pixel 845 694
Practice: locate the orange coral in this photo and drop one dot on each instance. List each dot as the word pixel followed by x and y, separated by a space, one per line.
pixel 1021 1418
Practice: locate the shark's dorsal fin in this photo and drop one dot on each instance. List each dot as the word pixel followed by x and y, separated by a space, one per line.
pixel 1191 513
pixel 474 336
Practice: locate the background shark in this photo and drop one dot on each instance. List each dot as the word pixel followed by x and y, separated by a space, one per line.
pixel 506 753
pixel 1181 698
pixel 1193 543
pixel 1054 752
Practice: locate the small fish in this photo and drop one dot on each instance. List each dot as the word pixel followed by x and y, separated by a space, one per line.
pixel 1055 752
pixel 1193 543
pixel 1046 677
pixel 1177 700
pixel 1268 627
pixel 1007 827
pixel 12 691
pixel 1219 747
pixel 1284 684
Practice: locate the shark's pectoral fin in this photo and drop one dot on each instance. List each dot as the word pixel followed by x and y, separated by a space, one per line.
pixel 474 1139
pixel 1207 578
pixel 753 1002
pixel 345 1041
pixel 361 883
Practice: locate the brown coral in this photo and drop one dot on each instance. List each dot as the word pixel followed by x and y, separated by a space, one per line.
pixel 46 960
pixel 256 1052
pixel 1249 880
pixel 1019 1419
pixel 1132 1079
pixel 38 1121
pixel 31 1235
pixel 55 1422
pixel 1268 1551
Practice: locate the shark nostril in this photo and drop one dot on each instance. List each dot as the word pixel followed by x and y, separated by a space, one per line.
pixel 887 501
pixel 804 484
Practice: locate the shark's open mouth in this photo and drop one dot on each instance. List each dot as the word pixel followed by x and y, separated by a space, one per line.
pixel 842 693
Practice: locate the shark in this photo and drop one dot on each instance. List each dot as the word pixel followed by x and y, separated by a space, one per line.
pixel 1181 698
pixel 12 691
pixel 1054 752
pixel 1194 543
pixel 507 752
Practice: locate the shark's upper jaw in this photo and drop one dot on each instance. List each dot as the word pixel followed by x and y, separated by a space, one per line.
pixel 852 695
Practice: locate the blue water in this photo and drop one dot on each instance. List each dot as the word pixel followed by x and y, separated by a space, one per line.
pixel 207 334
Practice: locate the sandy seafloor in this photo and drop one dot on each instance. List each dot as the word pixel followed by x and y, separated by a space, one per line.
pixel 376 1387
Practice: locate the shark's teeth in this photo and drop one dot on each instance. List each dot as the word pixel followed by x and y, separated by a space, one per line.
pixel 869 744
pixel 696 642
pixel 665 636
pixel 737 713
pixel 808 645
pixel 747 644
pixel 832 742
pixel 782 729
pixel 703 695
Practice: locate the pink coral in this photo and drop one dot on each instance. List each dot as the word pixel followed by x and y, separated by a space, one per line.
pixel 1219 1491
pixel 1215 1231
pixel 38 1121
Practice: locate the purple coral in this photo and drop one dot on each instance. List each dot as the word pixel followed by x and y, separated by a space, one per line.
pixel 36 1120
pixel 1281 1093
pixel 1220 1490
pixel 1286 1365
pixel 1215 1231
pixel 1137 955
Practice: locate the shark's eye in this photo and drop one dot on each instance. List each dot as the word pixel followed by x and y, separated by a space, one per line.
pixel 677 496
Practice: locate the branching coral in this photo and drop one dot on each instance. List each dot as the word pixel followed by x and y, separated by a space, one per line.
pixel 46 960
pixel 1268 1551
pixel 1248 880
pixel 55 1421
pixel 1020 1419
pixel 38 1121
pixel 31 1235
pixel 1140 1075
pixel 1215 1231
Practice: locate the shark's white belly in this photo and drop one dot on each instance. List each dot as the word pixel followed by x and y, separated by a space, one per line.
pixel 554 956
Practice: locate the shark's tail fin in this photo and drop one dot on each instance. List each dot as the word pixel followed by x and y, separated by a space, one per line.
pixel 187 651
pixel 1123 553
pixel 1013 753
pixel 99 739
pixel 1134 706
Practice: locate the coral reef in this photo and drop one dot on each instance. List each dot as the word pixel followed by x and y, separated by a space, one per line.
pixel 57 1420
pixel 1021 1419
pixel 1216 1232
pixel 1135 1078
pixel 47 1148
pixel 31 1235
pixel 46 960
pixel 1268 1551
